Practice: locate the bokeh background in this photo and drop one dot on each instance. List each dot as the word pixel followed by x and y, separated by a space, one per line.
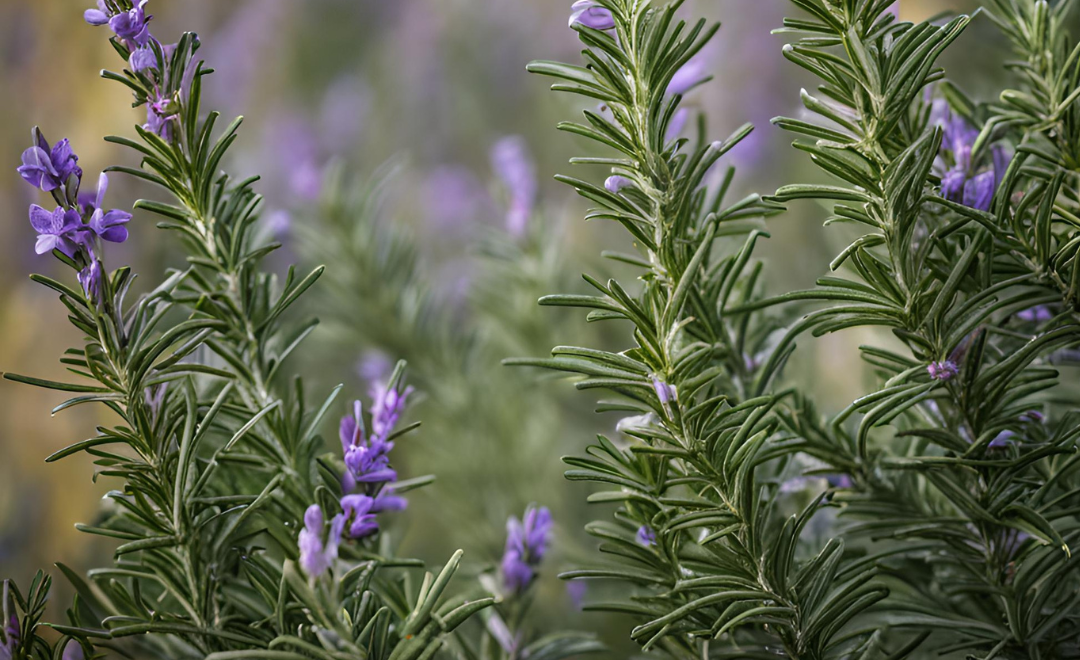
pixel 377 118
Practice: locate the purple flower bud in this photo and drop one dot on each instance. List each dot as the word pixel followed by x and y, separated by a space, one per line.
pixel 1002 440
pixel 142 59
pixel 1033 416
pixel 109 225
pixel 161 115
pixel 590 14
pixel 317 556
pixel 359 518
pixel 666 393
pixel 841 481
pixel 615 183
pixel 47 167
pixel 526 544
pixel 1037 314
pixel 646 536
pixel 979 191
pixel 99 16
pixel 131 25
pixel 943 370
pixel 90 279
pixel 576 590
pixel 57 230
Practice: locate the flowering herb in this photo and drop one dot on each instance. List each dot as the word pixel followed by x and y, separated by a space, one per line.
pixel 526 543
pixel 220 515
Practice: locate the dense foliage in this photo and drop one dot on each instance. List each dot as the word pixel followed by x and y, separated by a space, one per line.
pixel 943 506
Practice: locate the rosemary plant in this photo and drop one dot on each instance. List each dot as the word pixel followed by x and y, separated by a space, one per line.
pixel 219 457
pixel 962 519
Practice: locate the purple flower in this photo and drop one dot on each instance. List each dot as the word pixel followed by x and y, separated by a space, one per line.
pixel 388 405
pixel 367 457
pixel 646 536
pixel 99 16
pixel 966 181
pixel 943 370
pixel 161 114
pixel 47 167
pixel 109 225
pixel 1033 416
pixel 131 25
pixel 57 230
pixel 90 279
pixel 73 651
pixel 590 14
pixel 616 182
pixel 526 544
pixel 842 481
pixel 1002 440
pixel 1039 313
pixel 143 58
pixel 317 555
pixel 359 516
pixel 513 164
pixel 666 393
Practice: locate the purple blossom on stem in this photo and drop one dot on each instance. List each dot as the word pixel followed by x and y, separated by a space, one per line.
pixel 161 115
pixel 841 481
pixel 108 225
pixel 131 25
pixel 513 164
pixel 90 279
pixel 665 392
pixel 526 544
pixel 359 517
pixel 1037 314
pixel 1033 416
pixel 943 370
pixel 590 14
pixel 317 555
pixel 57 230
pixel 143 58
pixel 616 182
pixel 47 167
pixel 1002 440
pixel 964 181
pixel 646 536
pixel 367 459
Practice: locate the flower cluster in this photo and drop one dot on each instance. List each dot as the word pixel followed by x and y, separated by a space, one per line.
pixel 368 482
pixel 526 544
pixel 76 227
pixel 966 179
pixel 146 56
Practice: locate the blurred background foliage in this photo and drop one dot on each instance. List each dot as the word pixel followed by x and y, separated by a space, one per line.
pixel 373 124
